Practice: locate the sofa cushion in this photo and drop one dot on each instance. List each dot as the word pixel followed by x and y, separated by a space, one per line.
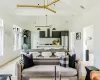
pixel 35 54
pixel 64 61
pixel 48 71
pixel 72 59
pixel 28 61
pixel 59 54
pixel 46 54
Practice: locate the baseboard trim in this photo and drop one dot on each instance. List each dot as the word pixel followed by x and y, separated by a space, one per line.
pixel 9 61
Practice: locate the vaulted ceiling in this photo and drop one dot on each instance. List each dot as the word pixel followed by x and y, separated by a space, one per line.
pixel 65 9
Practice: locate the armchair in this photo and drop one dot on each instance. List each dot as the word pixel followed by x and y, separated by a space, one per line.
pixel 95 75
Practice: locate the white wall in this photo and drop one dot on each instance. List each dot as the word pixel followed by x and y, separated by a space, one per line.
pixel 91 17
pixel 8 53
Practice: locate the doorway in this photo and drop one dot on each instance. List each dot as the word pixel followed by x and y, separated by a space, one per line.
pixel 88 41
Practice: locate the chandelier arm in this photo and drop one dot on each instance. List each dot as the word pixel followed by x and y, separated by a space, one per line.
pixel 51 3
pixel 19 5
pixel 51 10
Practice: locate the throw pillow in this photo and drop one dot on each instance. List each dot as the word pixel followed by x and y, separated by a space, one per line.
pixel 28 61
pixel 64 61
pixel 72 59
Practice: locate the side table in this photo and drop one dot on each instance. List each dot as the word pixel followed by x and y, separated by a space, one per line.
pixel 5 76
pixel 89 69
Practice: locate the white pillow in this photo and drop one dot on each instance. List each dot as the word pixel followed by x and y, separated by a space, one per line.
pixel 59 54
pixel 46 54
pixel 35 54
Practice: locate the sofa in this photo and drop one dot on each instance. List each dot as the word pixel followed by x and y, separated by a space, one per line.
pixel 45 67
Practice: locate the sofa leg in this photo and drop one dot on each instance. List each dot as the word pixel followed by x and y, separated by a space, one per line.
pixel 55 72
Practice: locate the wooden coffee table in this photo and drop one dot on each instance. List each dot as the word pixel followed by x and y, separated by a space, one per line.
pixel 47 79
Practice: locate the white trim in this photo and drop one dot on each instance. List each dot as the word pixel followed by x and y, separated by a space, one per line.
pixel 2 40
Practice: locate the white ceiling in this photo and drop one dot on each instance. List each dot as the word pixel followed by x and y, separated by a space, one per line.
pixel 65 9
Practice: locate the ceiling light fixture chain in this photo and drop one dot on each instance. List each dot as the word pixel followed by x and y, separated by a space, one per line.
pixel 46 20
pixel 45 3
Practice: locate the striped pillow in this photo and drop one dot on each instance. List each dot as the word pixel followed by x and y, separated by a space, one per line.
pixel 64 61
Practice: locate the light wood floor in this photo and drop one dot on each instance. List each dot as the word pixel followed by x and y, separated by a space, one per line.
pixel 9 68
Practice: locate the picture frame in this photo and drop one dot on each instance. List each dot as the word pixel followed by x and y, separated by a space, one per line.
pixel 78 36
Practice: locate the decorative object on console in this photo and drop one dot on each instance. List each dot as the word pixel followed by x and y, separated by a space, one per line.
pixel 72 59
pixel 64 61
pixel 54 42
pixel 28 61
pixel 24 47
pixel 78 36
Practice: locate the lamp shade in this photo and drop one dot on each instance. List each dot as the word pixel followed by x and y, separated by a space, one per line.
pixel 38 29
pixel 54 29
